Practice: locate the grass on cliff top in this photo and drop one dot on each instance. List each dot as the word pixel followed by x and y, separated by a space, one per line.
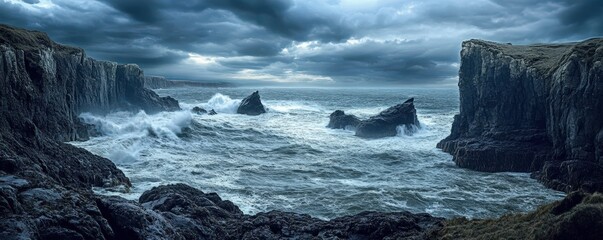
pixel 578 216
pixel 544 57
pixel 28 40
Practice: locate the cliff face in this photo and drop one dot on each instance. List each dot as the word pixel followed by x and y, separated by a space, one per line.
pixel 51 84
pixel 532 108
pixel 43 88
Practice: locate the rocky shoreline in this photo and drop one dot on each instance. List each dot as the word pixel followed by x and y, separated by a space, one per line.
pixel 45 184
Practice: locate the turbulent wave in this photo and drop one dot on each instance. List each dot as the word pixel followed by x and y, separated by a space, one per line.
pixel 288 160
pixel 166 124
pixel 126 136
pixel 222 104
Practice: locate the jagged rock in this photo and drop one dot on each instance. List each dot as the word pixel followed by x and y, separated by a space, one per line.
pixel 386 122
pixel 51 84
pixel 339 119
pixel 212 112
pixel 199 110
pixel 251 105
pixel 129 220
pixel 524 105
pixel 572 174
pixel 199 215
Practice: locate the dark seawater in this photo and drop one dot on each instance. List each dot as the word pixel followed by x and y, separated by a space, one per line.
pixel 287 159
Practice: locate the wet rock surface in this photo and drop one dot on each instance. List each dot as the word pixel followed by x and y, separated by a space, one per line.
pixel 385 123
pixel 340 120
pixel 251 105
pixel 199 110
pixel 523 106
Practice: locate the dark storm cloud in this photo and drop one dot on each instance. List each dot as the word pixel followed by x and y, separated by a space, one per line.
pixel 386 61
pixel 382 41
pixel 583 17
pixel 145 11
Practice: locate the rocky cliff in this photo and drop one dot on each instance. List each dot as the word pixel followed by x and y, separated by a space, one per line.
pixel 50 84
pixel 536 108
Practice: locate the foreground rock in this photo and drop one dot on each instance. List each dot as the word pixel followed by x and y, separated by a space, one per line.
pixel 522 106
pixel 339 119
pixel 197 215
pixel 578 216
pixel 251 105
pixel 385 124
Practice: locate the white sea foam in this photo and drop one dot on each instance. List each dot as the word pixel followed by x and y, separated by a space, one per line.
pixel 165 124
pixel 291 106
pixel 222 104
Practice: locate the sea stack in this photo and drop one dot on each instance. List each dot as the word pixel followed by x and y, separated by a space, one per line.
pixel 386 122
pixel 535 108
pixel 251 105
pixel 339 119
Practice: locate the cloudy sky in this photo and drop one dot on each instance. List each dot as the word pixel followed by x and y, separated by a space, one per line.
pixel 314 42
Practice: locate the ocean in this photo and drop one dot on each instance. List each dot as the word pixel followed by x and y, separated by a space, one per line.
pixel 288 160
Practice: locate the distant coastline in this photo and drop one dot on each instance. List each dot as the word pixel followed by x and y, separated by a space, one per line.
pixel 158 82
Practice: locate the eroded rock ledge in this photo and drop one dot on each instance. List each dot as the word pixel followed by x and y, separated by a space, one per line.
pixel 536 108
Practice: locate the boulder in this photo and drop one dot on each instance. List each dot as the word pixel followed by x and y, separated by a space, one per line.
pixel 199 110
pixel 212 112
pixel 251 105
pixel 339 119
pixel 386 122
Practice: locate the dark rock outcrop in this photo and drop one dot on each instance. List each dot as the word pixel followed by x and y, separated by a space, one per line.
pixel 44 183
pixel 339 119
pixel 212 112
pixel 198 215
pixel 522 106
pixel 50 84
pixel 251 105
pixel 386 122
pixel 199 110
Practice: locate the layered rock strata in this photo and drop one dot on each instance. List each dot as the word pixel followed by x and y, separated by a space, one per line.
pixel 536 108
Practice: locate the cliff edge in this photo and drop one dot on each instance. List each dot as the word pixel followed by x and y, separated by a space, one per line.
pixel 50 84
pixel 536 108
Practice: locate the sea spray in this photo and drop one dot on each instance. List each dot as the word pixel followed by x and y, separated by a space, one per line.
pixel 222 104
pixel 164 124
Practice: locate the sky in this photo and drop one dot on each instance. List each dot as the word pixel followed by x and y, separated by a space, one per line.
pixel 301 42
